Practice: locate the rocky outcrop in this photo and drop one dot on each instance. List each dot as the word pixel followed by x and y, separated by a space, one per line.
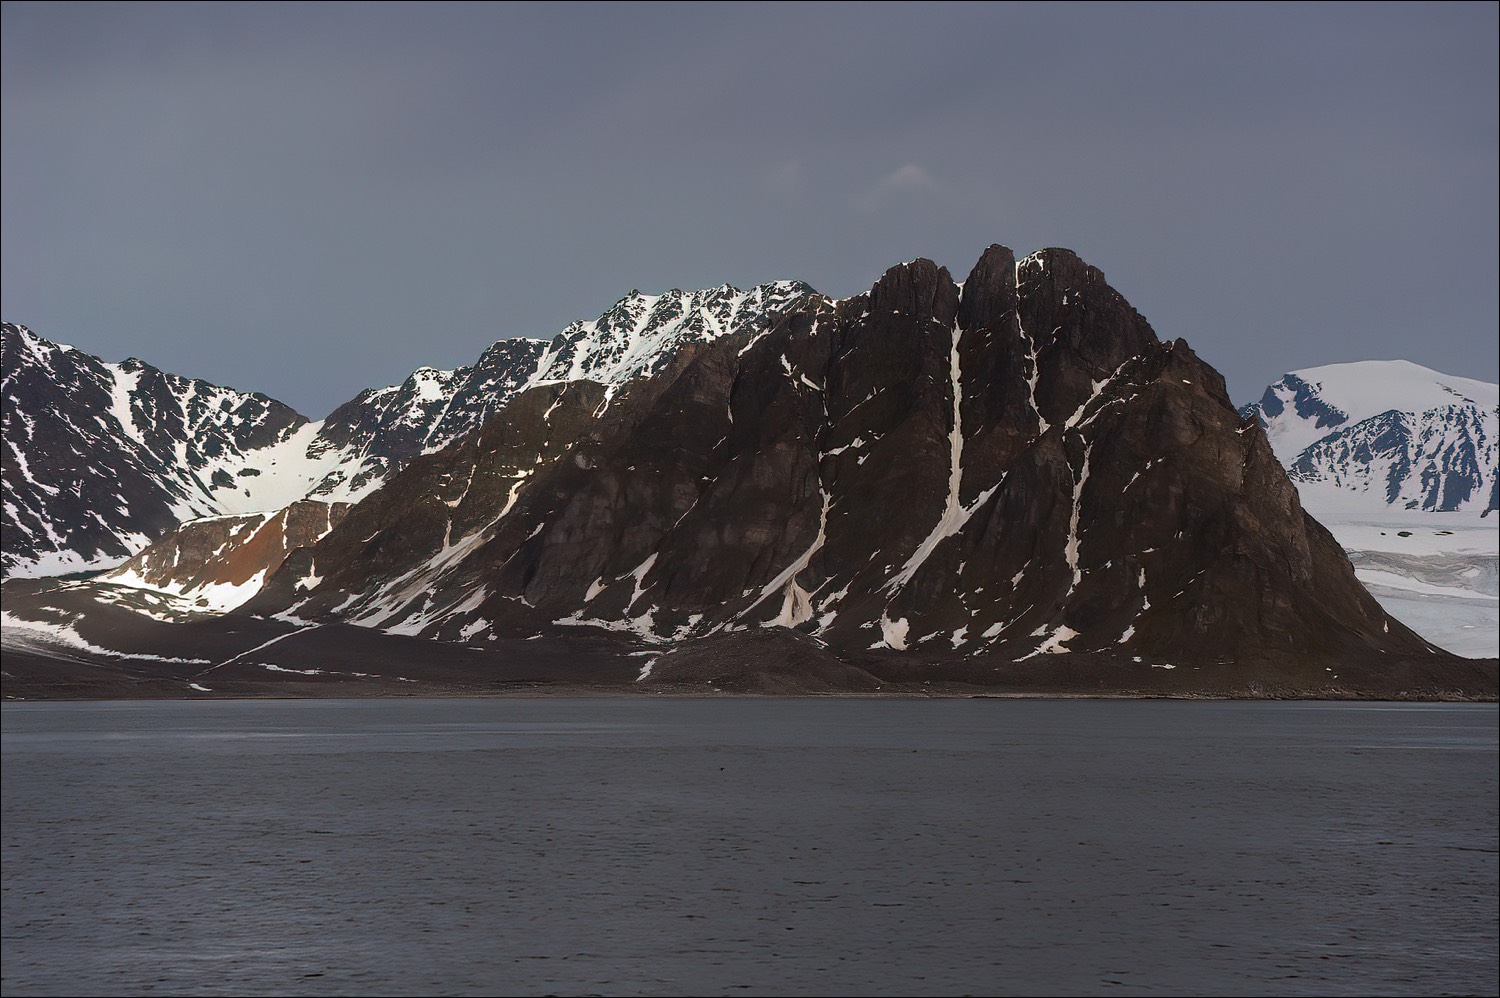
pixel 218 562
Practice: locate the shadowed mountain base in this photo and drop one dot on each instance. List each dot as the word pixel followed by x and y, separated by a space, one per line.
pixel 239 655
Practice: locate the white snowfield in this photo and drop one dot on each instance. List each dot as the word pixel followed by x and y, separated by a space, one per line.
pixel 1438 573
pixel 1362 389
pixel 1398 436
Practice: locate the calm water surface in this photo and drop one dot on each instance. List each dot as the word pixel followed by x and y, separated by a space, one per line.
pixel 633 846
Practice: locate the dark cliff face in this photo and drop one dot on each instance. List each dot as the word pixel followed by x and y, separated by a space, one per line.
pixel 1009 469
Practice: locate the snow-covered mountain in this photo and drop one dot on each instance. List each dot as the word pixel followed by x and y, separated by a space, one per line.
pixel 1389 433
pixel 1400 463
pixel 102 459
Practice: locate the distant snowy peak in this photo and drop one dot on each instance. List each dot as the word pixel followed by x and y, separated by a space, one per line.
pixel 1305 406
pixel 642 332
pixel 1386 432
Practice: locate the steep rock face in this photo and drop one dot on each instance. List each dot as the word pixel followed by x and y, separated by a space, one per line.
pixel 101 458
pixel 1015 467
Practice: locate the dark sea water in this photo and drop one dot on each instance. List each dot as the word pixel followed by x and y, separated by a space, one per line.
pixel 736 846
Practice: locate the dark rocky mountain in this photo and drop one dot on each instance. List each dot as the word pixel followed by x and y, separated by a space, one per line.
pixel 1009 482
pixel 1015 468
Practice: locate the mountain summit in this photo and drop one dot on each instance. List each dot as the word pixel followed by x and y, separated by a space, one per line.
pixel 1386 433
pixel 1016 466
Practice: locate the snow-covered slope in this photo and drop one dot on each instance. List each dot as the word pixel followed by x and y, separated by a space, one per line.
pixel 1441 460
pixel 641 333
pixel 1400 463
pixel 1373 434
pixel 102 459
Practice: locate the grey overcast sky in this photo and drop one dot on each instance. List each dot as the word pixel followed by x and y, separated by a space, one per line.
pixel 308 200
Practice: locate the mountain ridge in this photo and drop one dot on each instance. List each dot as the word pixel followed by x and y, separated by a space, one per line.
pixel 928 481
pixel 338 459
pixel 904 352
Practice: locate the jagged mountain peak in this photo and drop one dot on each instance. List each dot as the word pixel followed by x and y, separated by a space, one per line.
pixel 987 482
pixel 640 333
pixel 1019 469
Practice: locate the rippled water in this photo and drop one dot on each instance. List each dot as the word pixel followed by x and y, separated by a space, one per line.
pixel 636 846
